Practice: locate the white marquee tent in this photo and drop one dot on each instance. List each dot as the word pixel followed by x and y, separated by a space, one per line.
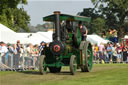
pixel 9 36
pixel 36 38
pixel 95 39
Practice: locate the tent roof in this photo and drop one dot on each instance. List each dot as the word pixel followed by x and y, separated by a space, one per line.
pixel 4 28
pixel 9 37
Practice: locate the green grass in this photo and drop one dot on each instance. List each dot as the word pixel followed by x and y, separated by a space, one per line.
pixel 102 74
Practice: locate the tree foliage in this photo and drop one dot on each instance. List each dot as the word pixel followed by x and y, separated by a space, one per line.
pixel 108 14
pixel 115 13
pixel 98 25
pixel 12 16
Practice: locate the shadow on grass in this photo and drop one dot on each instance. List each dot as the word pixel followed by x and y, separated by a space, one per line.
pixel 32 72
pixel 64 73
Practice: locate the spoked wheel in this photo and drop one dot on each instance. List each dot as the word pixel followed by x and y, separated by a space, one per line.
pixel 54 69
pixel 73 65
pixel 87 55
pixel 42 67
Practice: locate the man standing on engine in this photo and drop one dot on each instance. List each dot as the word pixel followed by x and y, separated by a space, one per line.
pixel 83 30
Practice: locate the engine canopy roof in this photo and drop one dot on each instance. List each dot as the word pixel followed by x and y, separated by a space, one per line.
pixel 68 18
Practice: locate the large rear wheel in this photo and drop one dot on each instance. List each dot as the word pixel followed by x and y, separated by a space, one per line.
pixel 87 55
pixel 73 65
pixel 77 37
pixel 42 67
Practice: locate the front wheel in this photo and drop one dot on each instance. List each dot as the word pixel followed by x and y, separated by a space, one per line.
pixel 73 65
pixel 42 67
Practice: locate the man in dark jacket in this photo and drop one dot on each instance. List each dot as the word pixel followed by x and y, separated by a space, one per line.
pixel 83 30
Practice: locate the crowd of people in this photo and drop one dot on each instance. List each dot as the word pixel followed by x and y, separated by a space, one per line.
pixel 113 51
pixel 110 53
pixel 29 54
pixel 18 51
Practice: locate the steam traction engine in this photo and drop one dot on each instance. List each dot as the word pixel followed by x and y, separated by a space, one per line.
pixel 67 48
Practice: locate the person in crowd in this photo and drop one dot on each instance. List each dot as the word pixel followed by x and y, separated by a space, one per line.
pixel 101 50
pixel 18 48
pixel 125 54
pixel 110 31
pixel 26 55
pixel 115 36
pixel 101 47
pixel 102 58
pixel 15 57
pixel 114 56
pixel 95 52
pixel 36 54
pixel 36 50
pixel 14 49
pixel 3 52
pixel 119 51
pixel 41 47
pixel 10 48
pixel 30 52
pixel 10 55
pixel 109 51
pixel 28 49
pixel 22 50
pixel 47 44
pixel 111 34
pixel 105 52
pixel 83 30
pixel 122 48
pixel 22 54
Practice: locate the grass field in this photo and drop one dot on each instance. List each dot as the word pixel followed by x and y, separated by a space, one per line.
pixel 102 74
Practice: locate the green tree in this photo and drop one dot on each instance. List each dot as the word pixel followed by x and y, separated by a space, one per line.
pixel 12 16
pixel 115 13
pixel 98 25
pixel 89 12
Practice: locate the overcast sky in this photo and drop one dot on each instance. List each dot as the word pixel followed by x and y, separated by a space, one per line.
pixel 37 9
